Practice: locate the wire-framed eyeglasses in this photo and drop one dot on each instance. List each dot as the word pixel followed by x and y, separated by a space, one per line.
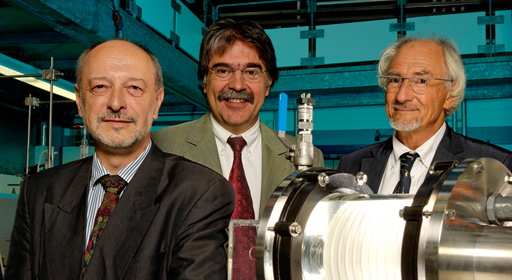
pixel 226 72
pixel 419 85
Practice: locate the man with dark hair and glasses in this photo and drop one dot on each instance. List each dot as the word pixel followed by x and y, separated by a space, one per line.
pixel 424 83
pixel 237 67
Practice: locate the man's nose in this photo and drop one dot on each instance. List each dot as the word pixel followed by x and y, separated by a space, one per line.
pixel 405 92
pixel 237 82
pixel 116 101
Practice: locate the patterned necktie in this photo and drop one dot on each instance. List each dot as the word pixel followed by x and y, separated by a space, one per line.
pixel 245 236
pixel 113 186
pixel 406 162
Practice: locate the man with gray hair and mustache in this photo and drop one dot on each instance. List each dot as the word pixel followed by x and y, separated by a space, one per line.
pixel 237 66
pixel 424 83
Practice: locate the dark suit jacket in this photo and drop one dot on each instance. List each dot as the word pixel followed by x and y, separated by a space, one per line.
pixel 372 159
pixel 168 224
pixel 195 141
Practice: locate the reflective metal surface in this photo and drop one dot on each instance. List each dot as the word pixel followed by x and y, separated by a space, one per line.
pixel 465 245
pixel 353 237
pixel 456 227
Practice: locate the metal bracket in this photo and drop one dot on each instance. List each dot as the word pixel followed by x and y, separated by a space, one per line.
pixel 215 14
pixel 51 75
pixel 491 48
pixel 176 6
pixel 306 34
pixel 134 9
pixel 312 61
pixel 312 6
pixel 403 26
pixel 491 20
pixel 32 101
pixel 174 38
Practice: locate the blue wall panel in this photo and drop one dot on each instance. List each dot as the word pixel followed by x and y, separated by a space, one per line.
pixel 351 42
pixel 489 113
pixel 462 28
pixel 289 47
pixel 504 31
pixel 158 14
pixel 349 118
pixel 189 28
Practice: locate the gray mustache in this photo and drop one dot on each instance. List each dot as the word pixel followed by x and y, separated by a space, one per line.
pixel 243 94
pixel 404 106
pixel 117 115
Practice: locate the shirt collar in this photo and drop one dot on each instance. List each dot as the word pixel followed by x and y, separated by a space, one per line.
pixel 126 173
pixel 426 151
pixel 251 135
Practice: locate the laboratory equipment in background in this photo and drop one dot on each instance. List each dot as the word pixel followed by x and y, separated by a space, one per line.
pixel 324 224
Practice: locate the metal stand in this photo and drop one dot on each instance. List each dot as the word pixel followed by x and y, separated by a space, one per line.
pixel 48 75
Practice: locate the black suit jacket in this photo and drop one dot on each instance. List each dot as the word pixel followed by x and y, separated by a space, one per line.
pixel 168 224
pixel 372 159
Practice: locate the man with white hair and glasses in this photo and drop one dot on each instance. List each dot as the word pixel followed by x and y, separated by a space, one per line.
pixel 424 83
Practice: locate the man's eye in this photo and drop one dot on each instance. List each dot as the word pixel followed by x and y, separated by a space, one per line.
pixel 135 90
pixel 419 81
pixel 223 71
pixel 251 72
pixel 99 89
pixel 394 80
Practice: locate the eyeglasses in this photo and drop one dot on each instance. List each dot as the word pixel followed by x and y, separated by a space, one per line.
pixel 419 85
pixel 226 72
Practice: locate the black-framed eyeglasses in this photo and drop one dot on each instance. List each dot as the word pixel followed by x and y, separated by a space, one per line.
pixel 419 85
pixel 226 72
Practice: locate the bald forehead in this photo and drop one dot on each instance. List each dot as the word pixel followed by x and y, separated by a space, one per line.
pixel 119 48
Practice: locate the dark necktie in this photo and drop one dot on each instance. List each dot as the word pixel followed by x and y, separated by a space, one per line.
pixel 245 236
pixel 113 186
pixel 406 162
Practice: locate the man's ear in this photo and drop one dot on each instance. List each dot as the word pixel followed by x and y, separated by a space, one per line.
pixel 269 85
pixel 159 100
pixel 77 101
pixel 450 99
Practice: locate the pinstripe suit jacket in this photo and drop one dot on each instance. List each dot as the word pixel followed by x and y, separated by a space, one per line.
pixel 169 224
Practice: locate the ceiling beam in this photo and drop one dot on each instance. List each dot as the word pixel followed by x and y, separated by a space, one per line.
pixel 93 22
pixel 34 38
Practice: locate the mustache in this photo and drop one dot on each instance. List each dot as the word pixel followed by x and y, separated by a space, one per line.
pixel 404 106
pixel 232 94
pixel 117 115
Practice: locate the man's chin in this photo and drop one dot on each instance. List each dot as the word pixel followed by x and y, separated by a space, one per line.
pixel 119 140
pixel 405 125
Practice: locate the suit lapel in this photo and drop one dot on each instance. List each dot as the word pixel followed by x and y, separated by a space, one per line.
pixel 374 166
pixel 449 146
pixel 203 147
pixel 129 221
pixel 275 166
pixel 64 236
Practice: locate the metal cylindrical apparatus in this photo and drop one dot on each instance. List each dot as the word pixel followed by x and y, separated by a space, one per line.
pixel 323 224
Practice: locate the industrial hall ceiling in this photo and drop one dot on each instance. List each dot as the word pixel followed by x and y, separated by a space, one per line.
pixel 35 31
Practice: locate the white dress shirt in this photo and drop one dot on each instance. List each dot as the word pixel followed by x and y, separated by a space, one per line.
pixel 251 158
pixel 420 167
